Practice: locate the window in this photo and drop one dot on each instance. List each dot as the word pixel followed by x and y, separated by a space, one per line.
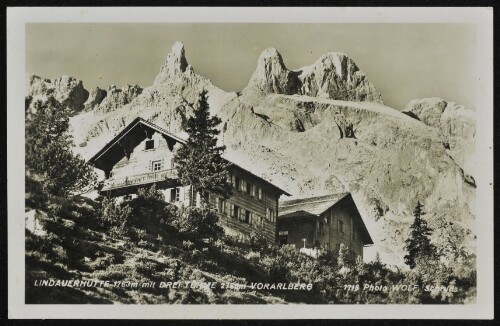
pixel 283 237
pixel 236 212
pixel 341 227
pixel 206 196
pixel 260 193
pixel 175 194
pixel 249 188
pixel 221 205
pixel 248 217
pixel 261 221
pixel 243 185
pixel 270 215
pixel 237 183
pixel 150 144
pixel 156 165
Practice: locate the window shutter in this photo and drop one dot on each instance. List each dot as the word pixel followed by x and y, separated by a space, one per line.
pixel 231 209
pixel 182 191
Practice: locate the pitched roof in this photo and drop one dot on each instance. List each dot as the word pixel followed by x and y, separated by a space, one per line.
pixel 309 206
pixel 126 130
pixel 94 160
pixel 315 206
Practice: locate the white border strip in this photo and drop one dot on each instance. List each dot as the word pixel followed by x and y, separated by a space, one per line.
pixel 482 18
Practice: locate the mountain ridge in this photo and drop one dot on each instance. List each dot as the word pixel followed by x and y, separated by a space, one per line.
pixel 342 138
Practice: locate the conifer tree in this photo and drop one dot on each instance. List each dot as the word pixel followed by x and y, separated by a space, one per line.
pixel 199 161
pixel 418 243
pixel 49 158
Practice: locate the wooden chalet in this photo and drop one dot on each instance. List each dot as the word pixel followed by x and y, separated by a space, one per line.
pixel 323 222
pixel 142 154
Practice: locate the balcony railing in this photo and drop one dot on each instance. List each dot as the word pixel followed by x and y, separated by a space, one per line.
pixel 139 179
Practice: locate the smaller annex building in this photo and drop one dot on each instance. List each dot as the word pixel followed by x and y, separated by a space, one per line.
pixel 323 222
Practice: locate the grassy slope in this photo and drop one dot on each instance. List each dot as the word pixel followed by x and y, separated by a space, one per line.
pixel 69 251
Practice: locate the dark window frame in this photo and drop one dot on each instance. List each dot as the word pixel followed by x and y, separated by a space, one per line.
pixel 149 144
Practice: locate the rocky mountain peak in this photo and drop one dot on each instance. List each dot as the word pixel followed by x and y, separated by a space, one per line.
pixel 270 54
pixel 334 75
pixel 175 64
pixel 69 91
pixel 271 75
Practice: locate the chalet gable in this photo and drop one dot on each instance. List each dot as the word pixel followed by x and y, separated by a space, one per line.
pixel 124 143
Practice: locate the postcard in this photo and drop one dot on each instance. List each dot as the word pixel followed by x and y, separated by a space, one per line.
pixel 250 163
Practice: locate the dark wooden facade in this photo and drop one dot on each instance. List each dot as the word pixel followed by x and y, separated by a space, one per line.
pixel 142 155
pixel 324 222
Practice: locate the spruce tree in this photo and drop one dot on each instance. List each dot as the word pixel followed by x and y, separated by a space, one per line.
pixel 199 161
pixel 49 156
pixel 418 243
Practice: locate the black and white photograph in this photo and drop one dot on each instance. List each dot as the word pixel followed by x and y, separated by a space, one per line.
pixel 337 163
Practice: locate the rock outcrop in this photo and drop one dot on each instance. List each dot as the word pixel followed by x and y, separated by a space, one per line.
pixel 271 75
pixel 69 91
pixel 333 76
pixel 174 66
pixel 96 96
pixel 455 123
pixel 117 98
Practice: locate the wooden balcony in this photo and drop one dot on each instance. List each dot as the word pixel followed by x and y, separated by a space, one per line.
pixel 139 179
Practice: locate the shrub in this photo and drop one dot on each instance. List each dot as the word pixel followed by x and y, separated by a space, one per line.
pixel 115 216
pixel 258 242
pixel 150 211
pixel 253 257
pixel 199 223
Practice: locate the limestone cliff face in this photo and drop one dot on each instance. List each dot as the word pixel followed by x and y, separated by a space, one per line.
pixel 337 77
pixel 271 75
pixel 116 98
pixel 455 123
pixel 69 91
pixel 96 96
pixel 333 76
pixel 318 130
pixel 389 162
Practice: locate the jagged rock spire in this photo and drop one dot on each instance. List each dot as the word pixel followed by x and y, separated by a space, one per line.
pixel 175 64
pixel 271 75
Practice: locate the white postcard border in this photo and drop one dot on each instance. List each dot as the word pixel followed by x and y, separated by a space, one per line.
pixel 482 18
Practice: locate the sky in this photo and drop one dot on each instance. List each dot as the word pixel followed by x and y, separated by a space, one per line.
pixel 403 61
